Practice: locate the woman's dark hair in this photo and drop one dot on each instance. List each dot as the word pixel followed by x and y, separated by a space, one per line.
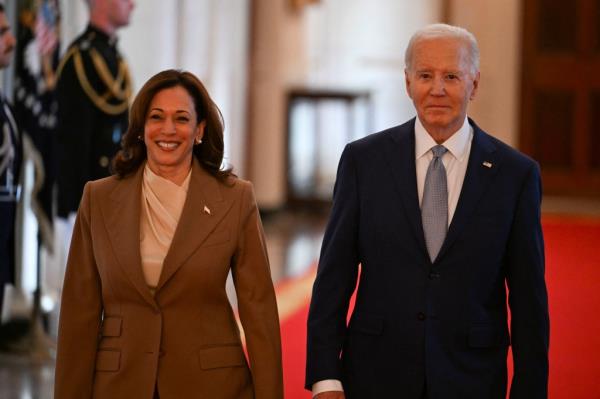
pixel 209 153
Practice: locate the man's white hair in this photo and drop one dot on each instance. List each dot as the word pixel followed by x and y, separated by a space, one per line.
pixel 435 31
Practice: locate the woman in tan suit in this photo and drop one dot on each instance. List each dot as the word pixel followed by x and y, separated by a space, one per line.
pixel 144 312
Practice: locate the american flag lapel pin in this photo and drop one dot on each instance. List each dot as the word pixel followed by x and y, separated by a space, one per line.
pixel 487 164
pixel 206 210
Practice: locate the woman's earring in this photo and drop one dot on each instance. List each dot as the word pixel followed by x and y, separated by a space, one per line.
pixel 198 140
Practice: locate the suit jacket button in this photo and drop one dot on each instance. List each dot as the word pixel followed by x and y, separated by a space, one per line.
pixel 434 276
pixel 421 316
pixel 103 161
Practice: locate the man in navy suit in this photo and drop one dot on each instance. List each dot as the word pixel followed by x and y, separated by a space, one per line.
pixel 436 264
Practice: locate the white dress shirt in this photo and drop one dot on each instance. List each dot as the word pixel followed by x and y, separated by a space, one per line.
pixel 455 162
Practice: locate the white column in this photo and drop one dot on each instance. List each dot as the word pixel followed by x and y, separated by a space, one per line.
pixel 497 26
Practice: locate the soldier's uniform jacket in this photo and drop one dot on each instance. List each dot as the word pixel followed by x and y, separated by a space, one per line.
pixel 93 92
pixel 10 162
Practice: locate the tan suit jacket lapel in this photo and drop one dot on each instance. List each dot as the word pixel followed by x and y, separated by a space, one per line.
pixel 122 217
pixel 202 211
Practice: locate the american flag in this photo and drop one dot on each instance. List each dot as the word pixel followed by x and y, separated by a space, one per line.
pixel 46 26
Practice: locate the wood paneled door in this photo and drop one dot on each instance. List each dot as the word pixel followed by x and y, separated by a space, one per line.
pixel 560 117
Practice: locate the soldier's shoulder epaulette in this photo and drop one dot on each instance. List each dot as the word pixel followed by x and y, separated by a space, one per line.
pixel 81 44
pixel 114 96
pixel 65 59
pixel 85 40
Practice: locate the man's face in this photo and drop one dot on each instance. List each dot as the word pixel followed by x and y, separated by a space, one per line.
pixel 440 83
pixel 7 41
pixel 119 12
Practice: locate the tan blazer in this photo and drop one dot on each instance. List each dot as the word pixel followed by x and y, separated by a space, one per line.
pixel 116 340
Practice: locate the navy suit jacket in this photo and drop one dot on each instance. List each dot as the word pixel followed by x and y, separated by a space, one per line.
pixel 417 323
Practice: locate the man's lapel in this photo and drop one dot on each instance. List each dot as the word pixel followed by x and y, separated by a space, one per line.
pixel 122 219
pixel 483 165
pixel 204 208
pixel 400 155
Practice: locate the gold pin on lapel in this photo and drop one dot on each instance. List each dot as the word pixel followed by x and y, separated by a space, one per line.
pixel 487 164
pixel 206 210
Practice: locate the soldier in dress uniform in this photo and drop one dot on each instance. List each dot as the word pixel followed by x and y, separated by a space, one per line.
pixel 10 162
pixel 93 93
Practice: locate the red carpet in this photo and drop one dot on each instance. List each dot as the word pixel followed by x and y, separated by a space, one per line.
pixel 573 278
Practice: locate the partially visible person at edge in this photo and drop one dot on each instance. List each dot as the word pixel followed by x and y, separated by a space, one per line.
pixel 10 165
pixel 442 218
pixel 92 92
pixel 144 311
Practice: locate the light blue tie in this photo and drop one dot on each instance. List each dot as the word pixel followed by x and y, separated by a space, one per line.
pixel 434 209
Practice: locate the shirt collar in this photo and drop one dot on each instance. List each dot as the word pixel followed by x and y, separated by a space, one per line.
pixel 456 144
pixel 152 178
pixel 99 34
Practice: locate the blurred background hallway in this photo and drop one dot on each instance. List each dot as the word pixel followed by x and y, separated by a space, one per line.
pixel 298 79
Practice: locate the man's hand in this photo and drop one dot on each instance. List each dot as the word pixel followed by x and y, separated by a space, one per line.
pixel 330 395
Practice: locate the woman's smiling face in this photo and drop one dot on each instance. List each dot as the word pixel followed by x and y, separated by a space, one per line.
pixel 170 132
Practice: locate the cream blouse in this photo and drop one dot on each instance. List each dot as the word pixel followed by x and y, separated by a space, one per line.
pixel 162 203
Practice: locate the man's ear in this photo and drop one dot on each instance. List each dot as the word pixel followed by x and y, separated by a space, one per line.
pixel 407 82
pixel 475 85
